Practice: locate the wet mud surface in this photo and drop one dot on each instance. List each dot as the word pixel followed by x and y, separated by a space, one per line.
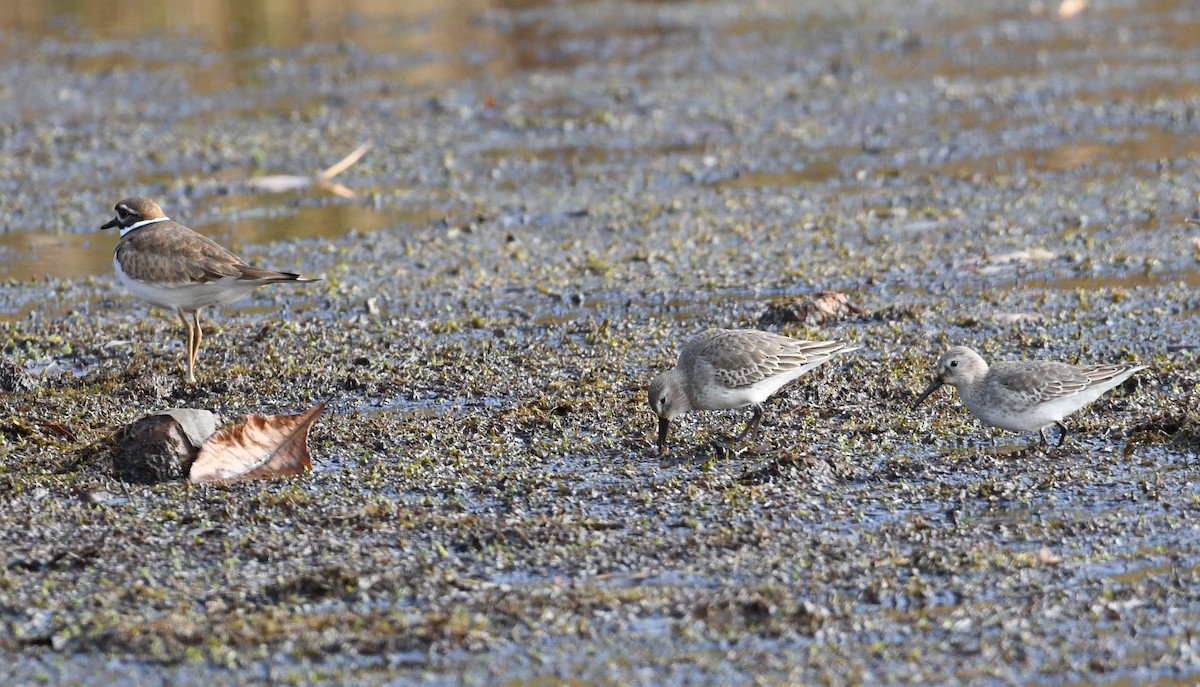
pixel 559 194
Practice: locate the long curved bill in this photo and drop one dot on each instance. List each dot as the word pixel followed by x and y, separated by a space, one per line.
pixel 933 386
pixel 663 425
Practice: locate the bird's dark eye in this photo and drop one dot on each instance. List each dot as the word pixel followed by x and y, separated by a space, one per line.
pixel 953 363
pixel 662 402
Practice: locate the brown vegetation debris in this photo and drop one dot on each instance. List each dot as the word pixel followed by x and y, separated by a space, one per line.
pixel 825 306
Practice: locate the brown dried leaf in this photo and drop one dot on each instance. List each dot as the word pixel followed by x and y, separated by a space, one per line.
pixel 257 448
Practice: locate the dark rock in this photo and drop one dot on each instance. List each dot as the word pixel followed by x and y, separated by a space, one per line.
pixel 162 447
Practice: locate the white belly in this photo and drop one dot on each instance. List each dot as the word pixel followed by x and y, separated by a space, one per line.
pixel 1013 415
pixel 709 394
pixel 188 296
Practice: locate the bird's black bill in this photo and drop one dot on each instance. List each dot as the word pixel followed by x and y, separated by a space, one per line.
pixel 933 386
pixel 663 425
pixel 112 223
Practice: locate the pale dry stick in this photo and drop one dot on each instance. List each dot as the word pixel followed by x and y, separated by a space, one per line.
pixel 282 183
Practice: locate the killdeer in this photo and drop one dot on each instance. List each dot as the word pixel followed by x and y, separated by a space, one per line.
pixel 166 264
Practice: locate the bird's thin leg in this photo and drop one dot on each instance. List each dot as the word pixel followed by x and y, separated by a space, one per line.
pixel 752 425
pixel 1063 429
pixel 188 338
pixel 1045 441
pixel 195 342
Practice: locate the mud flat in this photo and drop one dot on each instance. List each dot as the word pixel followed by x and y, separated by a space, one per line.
pixel 559 193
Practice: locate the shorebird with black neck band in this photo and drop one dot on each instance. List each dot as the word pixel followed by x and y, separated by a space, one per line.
pixel 167 264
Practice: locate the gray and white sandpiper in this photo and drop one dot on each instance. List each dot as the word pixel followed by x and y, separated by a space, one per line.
pixel 733 368
pixel 167 264
pixel 1026 395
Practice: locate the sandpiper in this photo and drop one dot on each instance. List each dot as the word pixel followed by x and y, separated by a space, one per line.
pixel 1026 395
pixel 167 264
pixel 733 368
